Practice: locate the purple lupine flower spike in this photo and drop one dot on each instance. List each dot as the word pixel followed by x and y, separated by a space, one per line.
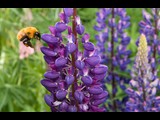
pixel 74 79
pixel 142 93
pixel 150 27
pixel 111 37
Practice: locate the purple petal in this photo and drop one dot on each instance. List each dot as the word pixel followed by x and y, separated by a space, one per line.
pixel 52 29
pixel 51 75
pixel 48 99
pixel 154 91
pixel 83 107
pixel 61 94
pixel 128 52
pixel 100 69
pixel 97 109
pixel 142 24
pixel 133 83
pixel 80 29
pixel 80 64
pixel 111 22
pixel 126 25
pixel 88 46
pixel 125 40
pixel 158 99
pixel 69 79
pixel 85 38
pixel 100 76
pixel 48 83
pixel 129 91
pixel 87 80
pixel 64 18
pixel 97 28
pixel 93 60
pixel 154 83
pixel 48 51
pixel 79 96
pixel 48 38
pixel 98 102
pixel 68 11
pixel 63 106
pixel 101 96
pixel 71 47
pixel 72 108
pixel 95 90
pixel 48 59
pixel 69 30
pixel 60 62
pixel 60 26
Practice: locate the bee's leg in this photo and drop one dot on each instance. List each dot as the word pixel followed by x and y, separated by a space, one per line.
pixel 27 42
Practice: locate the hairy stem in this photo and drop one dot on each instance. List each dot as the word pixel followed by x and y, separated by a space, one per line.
pixel 112 66
pixel 73 56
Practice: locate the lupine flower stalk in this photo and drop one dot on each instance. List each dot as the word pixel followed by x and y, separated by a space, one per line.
pixel 75 77
pixel 142 93
pixel 111 25
pixel 150 26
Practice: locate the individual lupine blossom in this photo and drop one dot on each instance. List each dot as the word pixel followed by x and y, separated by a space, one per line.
pixel 142 93
pixel 74 78
pixel 112 41
pixel 150 27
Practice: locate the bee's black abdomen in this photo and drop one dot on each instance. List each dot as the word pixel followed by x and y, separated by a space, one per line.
pixel 25 37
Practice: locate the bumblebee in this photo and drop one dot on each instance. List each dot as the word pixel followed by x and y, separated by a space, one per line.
pixel 28 33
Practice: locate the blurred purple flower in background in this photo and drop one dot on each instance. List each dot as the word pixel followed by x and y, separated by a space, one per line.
pixel 75 77
pixel 112 41
pixel 150 27
pixel 142 94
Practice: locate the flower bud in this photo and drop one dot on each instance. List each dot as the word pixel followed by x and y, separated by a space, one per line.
pixel 48 51
pixel 95 90
pixel 49 99
pixel 80 29
pixel 80 64
pixel 48 38
pixel 101 96
pixel 61 94
pixel 71 47
pixel 68 11
pixel 72 108
pixel 51 75
pixel 79 96
pixel 88 46
pixel 69 79
pixel 100 69
pixel 60 62
pixel 87 80
pixel 60 26
pixel 48 83
pixel 93 60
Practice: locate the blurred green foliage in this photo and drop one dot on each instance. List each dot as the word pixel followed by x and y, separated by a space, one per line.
pixel 20 88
